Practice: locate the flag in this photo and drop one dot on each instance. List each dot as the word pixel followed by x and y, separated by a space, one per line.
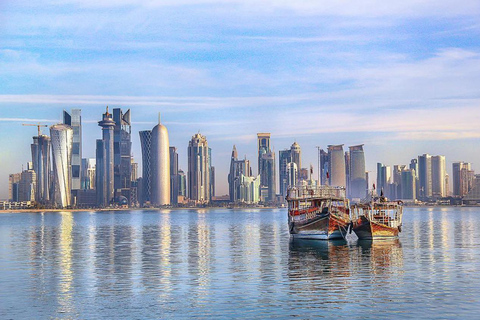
pixel 328 176
pixel 374 186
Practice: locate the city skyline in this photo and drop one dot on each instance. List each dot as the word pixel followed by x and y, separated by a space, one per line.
pixel 399 78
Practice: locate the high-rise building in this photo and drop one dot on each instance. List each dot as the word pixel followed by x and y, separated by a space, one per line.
pixel 463 177
pixel 438 176
pixel 134 175
pixel 146 144
pixel 237 169
pixel 249 189
pixel 266 167
pixel 425 176
pixel 284 158
pixel 383 178
pixel 336 166
pixel 105 161
pixel 292 174
pixel 212 174
pixel 294 154
pixel 174 179
pixel 408 181
pixel 358 181
pixel 263 140
pixel 13 186
pixel 182 183
pixel 198 169
pixel 74 120
pixel 41 166
pixel 160 165
pixel 88 173
pixel 324 167
pixel 62 142
pixel 122 152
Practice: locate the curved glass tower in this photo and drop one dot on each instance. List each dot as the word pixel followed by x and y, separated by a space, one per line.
pixel 62 140
pixel 160 165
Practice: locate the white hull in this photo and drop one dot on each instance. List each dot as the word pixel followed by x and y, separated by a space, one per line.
pixel 318 236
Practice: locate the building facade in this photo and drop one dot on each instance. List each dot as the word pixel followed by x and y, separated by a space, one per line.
pixel 122 152
pixel 174 180
pixel 41 165
pixel 439 173
pixel 146 144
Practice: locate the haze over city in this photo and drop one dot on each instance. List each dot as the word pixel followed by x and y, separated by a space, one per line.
pixel 401 79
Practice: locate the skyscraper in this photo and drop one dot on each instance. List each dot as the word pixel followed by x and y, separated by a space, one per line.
pixel 323 166
pixel 408 184
pixel 198 169
pixel 174 180
pixel 266 167
pixel 74 120
pixel 105 161
pixel 62 141
pixel 13 187
pixel 146 144
pixel 438 176
pixel 122 152
pixel 237 169
pixel 41 166
pixel 27 184
pixel 182 184
pixel 358 182
pixel 462 178
pixel 425 176
pixel 284 158
pixel 292 174
pixel 160 165
pixel 336 166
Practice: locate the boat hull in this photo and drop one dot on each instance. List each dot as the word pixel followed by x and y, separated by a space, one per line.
pixel 323 227
pixel 369 230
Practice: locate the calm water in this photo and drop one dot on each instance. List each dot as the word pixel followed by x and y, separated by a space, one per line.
pixel 233 264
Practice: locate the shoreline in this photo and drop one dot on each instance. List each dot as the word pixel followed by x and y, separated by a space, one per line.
pixel 130 209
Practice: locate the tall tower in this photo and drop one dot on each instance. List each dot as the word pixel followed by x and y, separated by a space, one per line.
pixel 263 147
pixel 296 153
pixel 284 158
pixel 198 169
pixel 336 166
pixel 358 182
pixel 146 143
pixel 62 140
pixel 41 166
pixel 122 142
pixel 438 176
pixel 105 161
pixel 160 165
pixel 425 176
pixel 74 120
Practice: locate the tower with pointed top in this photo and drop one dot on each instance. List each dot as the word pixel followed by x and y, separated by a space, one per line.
pixel 105 161
pixel 160 165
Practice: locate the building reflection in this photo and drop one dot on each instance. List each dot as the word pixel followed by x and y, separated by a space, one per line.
pixel 65 296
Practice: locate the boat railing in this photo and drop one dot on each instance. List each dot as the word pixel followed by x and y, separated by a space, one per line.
pixel 309 192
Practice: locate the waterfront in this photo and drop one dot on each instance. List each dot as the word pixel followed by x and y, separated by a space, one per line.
pixel 233 264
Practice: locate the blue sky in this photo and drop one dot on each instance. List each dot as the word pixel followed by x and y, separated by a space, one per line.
pixel 401 77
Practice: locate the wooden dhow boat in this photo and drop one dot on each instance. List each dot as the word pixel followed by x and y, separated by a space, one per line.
pixel 317 212
pixel 378 218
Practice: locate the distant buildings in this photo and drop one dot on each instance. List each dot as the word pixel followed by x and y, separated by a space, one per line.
pixel 242 186
pixel 463 178
pixel 88 174
pixel 105 161
pixel 199 169
pixel 174 178
pixel 62 140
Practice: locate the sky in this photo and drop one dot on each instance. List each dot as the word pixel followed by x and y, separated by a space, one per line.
pixel 401 77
